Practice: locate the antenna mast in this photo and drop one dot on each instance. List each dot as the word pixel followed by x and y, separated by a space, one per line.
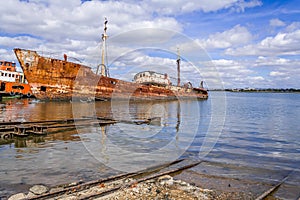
pixel 104 37
pixel 178 67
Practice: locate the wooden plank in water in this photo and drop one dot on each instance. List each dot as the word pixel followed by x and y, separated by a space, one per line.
pixel 43 121
pixel 273 189
pixel 6 129
pixel 72 120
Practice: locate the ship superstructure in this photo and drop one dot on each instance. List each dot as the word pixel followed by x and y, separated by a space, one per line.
pixel 12 82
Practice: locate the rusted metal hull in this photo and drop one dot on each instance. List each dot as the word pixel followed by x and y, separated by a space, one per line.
pixel 53 79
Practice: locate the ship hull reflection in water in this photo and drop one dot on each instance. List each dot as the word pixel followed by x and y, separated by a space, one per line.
pixel 32 142
pixel 129 147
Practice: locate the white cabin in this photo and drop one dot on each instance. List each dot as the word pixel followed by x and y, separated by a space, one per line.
pixel 152 78
pixel 8 73
pixel 7 76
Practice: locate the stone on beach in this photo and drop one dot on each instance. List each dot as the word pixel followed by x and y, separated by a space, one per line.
pixel 17 196
pixel 39 189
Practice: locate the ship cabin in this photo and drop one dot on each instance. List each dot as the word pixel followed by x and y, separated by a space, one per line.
pixel 7 66
pixel 8 73
pixel 11 81
pixel 152 78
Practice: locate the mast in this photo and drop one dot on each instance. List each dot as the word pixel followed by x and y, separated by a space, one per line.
pixel 104 37
pixel 178 67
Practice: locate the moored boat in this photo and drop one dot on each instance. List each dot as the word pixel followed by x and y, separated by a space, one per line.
pixel 55 79
pixel 12 82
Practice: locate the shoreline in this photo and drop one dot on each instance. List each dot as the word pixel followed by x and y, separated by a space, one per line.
pixel 160 182
pixel 163 187
pixel 297 91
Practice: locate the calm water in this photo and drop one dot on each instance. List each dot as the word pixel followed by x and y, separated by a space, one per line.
pixel 255 130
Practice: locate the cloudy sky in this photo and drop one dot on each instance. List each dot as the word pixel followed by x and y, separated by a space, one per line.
pixel 229 43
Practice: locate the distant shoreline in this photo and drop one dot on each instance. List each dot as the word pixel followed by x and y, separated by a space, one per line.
pixel 291 90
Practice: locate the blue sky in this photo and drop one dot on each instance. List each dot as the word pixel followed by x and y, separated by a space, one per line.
pixel 226 43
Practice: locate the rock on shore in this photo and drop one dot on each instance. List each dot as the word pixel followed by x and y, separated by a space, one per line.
pixel 33 191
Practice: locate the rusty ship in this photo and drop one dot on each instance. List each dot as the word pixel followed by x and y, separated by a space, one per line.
pixel 60 79
pixel 12 82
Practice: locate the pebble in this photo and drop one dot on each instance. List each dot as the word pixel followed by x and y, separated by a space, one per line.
pixel 128 180
pixel 202 196
pixel 206 190
pixel 56 189
pixel 30 195
pixel 167 183
pixel 150 181
pixel 146 190
pixel 182 183
pixel 39 189
pixel 72 184
pixel 165 178
pixel 17 196
pixel 136 190
pixel 188 188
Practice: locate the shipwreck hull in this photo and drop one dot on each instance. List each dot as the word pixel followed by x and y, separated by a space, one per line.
pixel 54 79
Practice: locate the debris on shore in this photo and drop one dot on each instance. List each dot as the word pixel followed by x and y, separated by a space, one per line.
pixel 164 187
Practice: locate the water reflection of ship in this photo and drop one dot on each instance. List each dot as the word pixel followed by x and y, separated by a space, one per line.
pixel 12 109
pixel 178 118
pixel 103 144
pixel 160 110
pixel 28 142
pixel 139 139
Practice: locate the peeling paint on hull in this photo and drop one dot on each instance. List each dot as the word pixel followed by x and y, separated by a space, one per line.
pixel 53 79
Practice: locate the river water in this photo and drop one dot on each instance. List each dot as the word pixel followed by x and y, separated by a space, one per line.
pixel 253 130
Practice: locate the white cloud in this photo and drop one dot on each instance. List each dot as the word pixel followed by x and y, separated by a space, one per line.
pixel 61 19
pixel 72 25
pixel 20 41
pixel 172 7
pixel 283 72
pixel 293 26
pixel 55 20
pixel 7 55
pixel 233 73
pixel 256 78
pixel 276 22
pixel 281 44
pixel 275 62
pixel 236 36
pixel 247 73
pixel 242 5
pixel 75 28
pixel 276 73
